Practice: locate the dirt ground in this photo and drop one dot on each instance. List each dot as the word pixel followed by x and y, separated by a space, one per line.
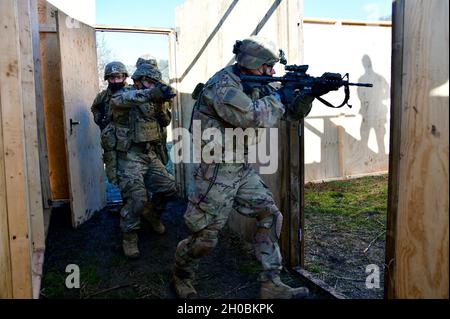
pixel 229 272
pixel 345 230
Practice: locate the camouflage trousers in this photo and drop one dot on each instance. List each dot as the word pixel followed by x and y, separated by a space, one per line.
pixel 220 188
pixel 108 142
pixel 137 174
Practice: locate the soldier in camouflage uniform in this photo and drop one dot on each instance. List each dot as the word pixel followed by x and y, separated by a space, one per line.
pixel 116 74
pixel 167 106
pixel 135 116
pixel 226 102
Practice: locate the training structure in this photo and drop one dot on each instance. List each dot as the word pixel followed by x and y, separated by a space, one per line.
pixel 50 151
pixel 49 146
pixel 330 143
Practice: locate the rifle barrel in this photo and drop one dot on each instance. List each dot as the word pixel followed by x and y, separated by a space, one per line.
pixel 367 85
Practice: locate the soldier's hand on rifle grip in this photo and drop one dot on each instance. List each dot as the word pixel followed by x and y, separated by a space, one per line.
pixel 286 94
pixel 155 95
pixel 329 82
pixel 167 90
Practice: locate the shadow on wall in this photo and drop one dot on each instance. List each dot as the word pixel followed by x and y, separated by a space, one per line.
pixel 341 153
pixel 373 105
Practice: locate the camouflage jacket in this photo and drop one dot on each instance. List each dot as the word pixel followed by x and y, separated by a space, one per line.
pixel 223 104
pixel 100 108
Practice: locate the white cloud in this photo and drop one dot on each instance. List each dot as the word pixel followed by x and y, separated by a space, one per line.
pixel 372 10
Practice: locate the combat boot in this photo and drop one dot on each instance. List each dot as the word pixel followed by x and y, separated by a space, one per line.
pixel 184 288
pixel 275 289
pixel 151 215
pixel 130 245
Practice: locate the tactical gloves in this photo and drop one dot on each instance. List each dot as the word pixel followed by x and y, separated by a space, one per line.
pixel 286 94
pixel 330 82
pixel 160 93
pixel 300 106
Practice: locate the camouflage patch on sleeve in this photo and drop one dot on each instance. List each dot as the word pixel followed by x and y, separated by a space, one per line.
pixel 237 98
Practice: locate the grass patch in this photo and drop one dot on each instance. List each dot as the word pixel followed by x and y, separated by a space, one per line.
pixel 344 225
pixel 352 204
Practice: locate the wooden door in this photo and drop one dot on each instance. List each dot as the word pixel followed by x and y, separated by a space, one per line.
pixel 82 136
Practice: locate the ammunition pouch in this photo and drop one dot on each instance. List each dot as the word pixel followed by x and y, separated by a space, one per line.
pixel 146 131
pixel 123 139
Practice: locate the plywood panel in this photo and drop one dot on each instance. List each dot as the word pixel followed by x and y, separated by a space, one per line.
pixel 14 156
pixel 31 136
pixel 5 257
pixel 40 115
pixel 421 258
pixel 87 189
pixel 53 103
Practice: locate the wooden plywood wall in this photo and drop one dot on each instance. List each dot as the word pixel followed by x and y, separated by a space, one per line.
pixel 417 252
pixel 346 142
pixel 15 238
pixel 206 33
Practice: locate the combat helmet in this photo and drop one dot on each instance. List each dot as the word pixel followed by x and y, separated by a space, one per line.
pixel 115 67
pixel 147 71
pixel 150 61
pixel 255 51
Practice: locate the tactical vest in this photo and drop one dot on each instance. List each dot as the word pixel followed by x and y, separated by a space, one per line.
pixel 136 125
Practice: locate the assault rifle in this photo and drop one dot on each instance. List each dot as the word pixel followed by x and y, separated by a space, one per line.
pixel 297 79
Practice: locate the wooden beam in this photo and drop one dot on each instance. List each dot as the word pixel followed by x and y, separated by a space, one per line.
pixel 177 114
pixel 31 136
pixel 40 116
pixel 116 28
pixel 319 285
pixel 395 138
pixel 38 265
pixel 14 151
pixel 418 236
pixel 5 256
pixel 348 22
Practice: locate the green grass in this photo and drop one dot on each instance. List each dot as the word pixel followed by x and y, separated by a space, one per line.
pixel 353 205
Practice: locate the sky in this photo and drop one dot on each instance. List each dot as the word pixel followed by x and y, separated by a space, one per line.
pixel 161 13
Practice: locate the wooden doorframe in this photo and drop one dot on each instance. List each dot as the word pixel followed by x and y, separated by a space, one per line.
pixel 176 109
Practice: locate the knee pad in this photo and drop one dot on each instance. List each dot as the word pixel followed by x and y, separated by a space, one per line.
pixel 204 241
pixel 274 222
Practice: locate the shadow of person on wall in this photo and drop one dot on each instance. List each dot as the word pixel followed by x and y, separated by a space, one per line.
pixel 374 107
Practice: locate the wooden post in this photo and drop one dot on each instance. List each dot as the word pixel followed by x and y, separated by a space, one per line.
pixel 13 154
pixel 417 256
pixel 40 115
pixel 177 120
pixel 31 136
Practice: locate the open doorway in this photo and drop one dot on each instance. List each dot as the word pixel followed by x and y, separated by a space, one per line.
pixel 346 161
pixel 127 45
